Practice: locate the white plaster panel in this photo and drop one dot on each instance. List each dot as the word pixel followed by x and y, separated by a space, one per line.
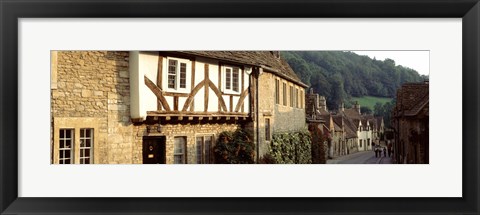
pixel 212 101
pixel 227 101
pixel 213 73
pixel 199 71
pixel 169 101
pixel 181 102
pixel 199 100
pixel 235 102
pixel 147 66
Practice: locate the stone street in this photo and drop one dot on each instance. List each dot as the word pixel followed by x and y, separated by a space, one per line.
pixel 366 157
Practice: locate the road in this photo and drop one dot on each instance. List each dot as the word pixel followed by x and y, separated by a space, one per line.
pixel 367 157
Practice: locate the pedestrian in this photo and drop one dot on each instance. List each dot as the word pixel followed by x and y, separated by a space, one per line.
pixel 384 153
pixel 376 153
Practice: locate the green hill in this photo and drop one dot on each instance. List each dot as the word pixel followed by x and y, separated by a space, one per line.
pixel 341 76
pixel 370 101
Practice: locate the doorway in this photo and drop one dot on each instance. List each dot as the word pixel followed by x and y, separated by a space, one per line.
pixel 154 150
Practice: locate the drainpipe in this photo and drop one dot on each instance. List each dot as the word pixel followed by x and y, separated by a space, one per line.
pixel 257 74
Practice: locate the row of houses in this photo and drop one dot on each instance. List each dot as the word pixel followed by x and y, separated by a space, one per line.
pixel 346 130
pixel 134 107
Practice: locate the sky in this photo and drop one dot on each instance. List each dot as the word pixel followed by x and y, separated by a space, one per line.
pixel 417 60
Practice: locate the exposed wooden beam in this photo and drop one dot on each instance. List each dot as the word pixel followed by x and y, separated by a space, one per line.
pixel 158 92
pixel 205 99
pixel 159 78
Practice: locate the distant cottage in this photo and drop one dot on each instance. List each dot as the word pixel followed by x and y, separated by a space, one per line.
pixel 114 107
pixel 348 131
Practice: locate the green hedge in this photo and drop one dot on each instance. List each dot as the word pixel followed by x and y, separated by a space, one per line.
pixel 290 148
pixel 234 148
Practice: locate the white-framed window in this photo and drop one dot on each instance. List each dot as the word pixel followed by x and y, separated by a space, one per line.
pixel 204 149
pixel 180 150
pixel 66 146
pixel 75 147
pixel 86 143
pixel 177 74
pixel 231 79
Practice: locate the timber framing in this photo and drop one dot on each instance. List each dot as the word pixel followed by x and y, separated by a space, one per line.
pixel 158 93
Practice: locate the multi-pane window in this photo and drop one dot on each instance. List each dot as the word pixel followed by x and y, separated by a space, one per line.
pixel 203 146
pixel 284 94
pixel 183 75
pixel 66 146
pixel 267 129
pixel 277 91
pixel 235 77
pixel 228 78
pixel 291 96
pixel 232 79
pixel 179 150
pixel 86 142
pixel 177 74
pixel 172 73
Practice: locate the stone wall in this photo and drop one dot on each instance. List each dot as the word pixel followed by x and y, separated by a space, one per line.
pixel 95 85
pixel 188 130
pixel 282 118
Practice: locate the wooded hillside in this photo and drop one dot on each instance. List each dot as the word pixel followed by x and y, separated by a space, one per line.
pixel 340 75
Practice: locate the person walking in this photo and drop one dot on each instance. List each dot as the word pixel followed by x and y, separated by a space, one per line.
pixel 384 153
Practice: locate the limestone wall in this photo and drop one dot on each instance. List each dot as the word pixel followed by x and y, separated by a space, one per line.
pixel 283 118
pixel 94 85
pixel 188 130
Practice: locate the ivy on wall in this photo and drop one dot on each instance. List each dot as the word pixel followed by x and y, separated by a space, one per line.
pixel 234 148
pixel 290 148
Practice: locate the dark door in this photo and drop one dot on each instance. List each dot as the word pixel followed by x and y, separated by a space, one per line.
pixel 154 150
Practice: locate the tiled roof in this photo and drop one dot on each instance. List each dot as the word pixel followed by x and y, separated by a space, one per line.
pixel 352 113
pixel 412 97
pixel 263 59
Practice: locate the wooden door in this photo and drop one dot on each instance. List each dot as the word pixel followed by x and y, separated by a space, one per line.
pixel 154 150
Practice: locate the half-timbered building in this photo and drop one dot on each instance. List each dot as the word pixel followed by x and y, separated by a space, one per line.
pixel 168 106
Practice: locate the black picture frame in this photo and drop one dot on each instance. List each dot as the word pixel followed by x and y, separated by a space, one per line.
pixel 11 11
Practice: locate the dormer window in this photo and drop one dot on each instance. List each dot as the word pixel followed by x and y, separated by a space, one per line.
pixel 231 76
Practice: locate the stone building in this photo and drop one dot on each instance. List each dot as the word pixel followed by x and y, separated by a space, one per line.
pixel 411 124
pixel 368 128
pixel 114 107
pixel 348 130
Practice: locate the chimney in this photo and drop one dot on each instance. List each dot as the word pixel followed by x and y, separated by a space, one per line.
pixel 323 103
pixel 276 54
pixel 342 107
pixel 356 106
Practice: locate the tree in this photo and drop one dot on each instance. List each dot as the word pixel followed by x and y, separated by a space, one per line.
pixel 365 110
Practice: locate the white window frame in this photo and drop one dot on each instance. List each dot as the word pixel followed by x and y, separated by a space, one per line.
pixel 84 138
pixel 71 148
pixel 224 80
pixel 188 75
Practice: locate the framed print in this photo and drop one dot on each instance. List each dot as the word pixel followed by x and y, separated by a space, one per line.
pixel 189 78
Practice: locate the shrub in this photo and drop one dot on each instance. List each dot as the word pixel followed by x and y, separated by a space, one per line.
pixel 234 148
pixel 291 148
